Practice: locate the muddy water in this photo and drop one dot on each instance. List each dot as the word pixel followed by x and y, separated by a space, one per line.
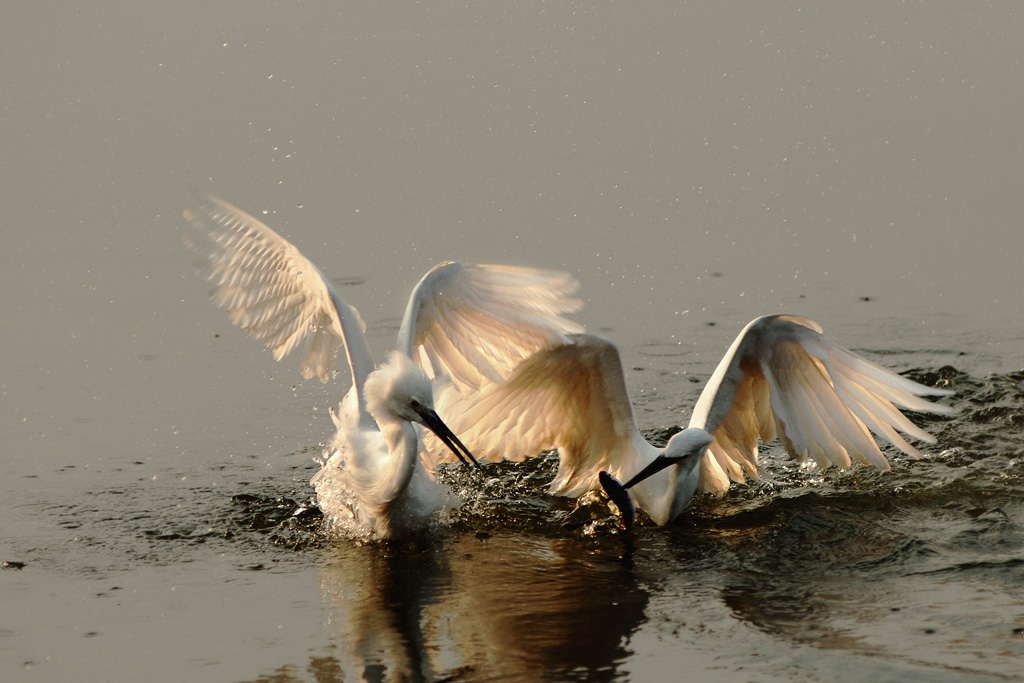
pixel 694 167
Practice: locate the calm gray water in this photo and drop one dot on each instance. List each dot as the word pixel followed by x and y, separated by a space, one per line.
pixel 693 165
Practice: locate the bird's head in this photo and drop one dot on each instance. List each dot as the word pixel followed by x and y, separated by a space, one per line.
pixel 688 442
pixel 400 391
pixel 685 449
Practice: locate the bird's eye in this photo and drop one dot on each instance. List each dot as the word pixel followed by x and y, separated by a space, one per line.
pixel 414 403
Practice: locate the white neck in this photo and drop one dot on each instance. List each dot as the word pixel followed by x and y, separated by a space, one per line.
pixel 403 451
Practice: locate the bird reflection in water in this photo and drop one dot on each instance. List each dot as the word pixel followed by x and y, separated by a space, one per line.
pixel 477 606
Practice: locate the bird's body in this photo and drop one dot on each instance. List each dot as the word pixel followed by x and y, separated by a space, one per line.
pixel 369 484
pixel 464 326
pixel 780 378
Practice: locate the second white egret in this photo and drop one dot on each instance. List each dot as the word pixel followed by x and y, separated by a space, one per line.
pixel 780 378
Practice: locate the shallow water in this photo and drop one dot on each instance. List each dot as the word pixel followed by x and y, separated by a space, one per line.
pixel 225 574
pixel 691 166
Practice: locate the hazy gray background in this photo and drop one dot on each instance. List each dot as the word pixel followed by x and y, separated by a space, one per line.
pixel 861 151
pixel 689 163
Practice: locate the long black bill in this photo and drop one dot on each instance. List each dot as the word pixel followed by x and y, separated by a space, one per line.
pixel 434 424
pixel 655 466
pixel 618 494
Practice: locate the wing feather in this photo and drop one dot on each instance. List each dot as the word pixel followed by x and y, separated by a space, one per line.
pixel 781 377
pixel 477 323
pixel 571 396
pixel 268 288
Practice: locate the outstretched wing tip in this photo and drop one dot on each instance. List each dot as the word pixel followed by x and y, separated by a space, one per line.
pixel 782 377
pixel 267 286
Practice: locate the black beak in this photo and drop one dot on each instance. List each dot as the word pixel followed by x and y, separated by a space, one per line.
pixel 434 424
pixel 655 466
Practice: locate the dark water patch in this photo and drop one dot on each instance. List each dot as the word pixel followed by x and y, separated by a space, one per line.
pixel 810 533
pixel 990 416
pixel 659 437
pixel 164 522
pixel 281 521
pixel 509 494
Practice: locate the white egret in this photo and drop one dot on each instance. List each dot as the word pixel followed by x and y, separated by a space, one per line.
pixel 467 325
pixel 780 378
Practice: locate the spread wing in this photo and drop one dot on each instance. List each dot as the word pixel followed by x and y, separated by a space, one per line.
pixel 268 288
pixel 782 377
pixel 571 396
pixel 473 324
